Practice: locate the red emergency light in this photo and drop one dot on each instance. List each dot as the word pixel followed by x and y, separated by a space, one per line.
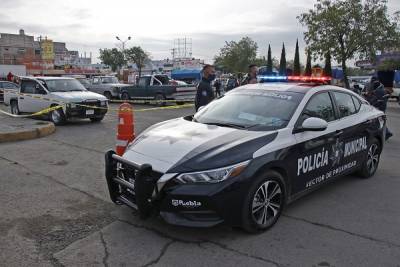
pixel 308 79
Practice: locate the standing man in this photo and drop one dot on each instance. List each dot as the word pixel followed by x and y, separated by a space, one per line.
pixel 10 77
pixel 205 94
pixel 217 85
pixel 251 76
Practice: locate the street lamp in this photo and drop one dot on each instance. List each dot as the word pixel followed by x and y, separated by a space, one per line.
pixel 123 42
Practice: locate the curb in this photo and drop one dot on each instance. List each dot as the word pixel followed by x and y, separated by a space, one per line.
pixel 45 130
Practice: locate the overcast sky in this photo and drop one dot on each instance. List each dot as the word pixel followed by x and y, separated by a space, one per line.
pixel 154 24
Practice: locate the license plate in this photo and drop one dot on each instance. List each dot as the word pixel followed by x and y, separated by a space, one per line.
pixel 90 112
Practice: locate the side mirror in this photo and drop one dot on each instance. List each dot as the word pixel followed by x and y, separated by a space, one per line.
pixel 313 124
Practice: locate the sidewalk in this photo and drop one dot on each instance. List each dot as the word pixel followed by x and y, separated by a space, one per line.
pixel 16 129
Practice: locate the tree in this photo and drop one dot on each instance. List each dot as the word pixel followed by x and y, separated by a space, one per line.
pixel 237 56
pixel 349 29
pixel 296 63
pixel 282 63
pixel 138 56
pixel 112 58
pixel 328 65
pixel 269 60
pixel 308 70
pixel 389 65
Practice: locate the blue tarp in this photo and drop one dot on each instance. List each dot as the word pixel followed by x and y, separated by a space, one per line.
pixel 397 76
pixel 186 74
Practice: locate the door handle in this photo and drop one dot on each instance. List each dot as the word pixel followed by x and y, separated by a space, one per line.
pixel 21 97
pixel 338 133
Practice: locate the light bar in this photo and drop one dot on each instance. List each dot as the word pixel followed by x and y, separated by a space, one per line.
pixel 309 79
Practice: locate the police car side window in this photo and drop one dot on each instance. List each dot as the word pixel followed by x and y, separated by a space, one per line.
pixel 320 106
pixel 345 104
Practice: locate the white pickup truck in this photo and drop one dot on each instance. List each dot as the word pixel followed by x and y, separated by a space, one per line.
pixel 39 93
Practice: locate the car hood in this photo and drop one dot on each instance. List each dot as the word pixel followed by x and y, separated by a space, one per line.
pixel 117 84
pixel 180 145
pixel 76 96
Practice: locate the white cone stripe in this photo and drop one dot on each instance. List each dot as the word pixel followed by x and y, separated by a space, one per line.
pixel 122 142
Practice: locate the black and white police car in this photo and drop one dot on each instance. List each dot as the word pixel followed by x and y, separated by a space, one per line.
pixel 243 157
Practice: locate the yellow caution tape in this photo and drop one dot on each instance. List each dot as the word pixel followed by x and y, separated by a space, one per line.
pixel 44 111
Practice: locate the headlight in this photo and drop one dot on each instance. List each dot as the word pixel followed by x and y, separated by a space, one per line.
pixel 103 102
pixel 212 176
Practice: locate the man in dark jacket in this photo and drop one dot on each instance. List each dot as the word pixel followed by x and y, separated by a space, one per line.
pixel 251 76
pixel 205 93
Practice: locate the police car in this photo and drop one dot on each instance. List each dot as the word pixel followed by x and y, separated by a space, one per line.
pixel 243 157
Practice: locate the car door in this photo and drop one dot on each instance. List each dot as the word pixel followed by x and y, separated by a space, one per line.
pixel 354 128
pixel 33 98
pixel 312 157
pixel 141 91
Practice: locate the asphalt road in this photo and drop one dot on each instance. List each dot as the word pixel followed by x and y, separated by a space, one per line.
pixel 55 211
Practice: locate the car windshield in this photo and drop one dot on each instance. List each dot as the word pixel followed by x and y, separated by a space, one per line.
pixel 63 85
pixel 255 109
pixel 109 80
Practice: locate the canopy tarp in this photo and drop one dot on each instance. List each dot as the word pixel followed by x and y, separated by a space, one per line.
pixel 186 74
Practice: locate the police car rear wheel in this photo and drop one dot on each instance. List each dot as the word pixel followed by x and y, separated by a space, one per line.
pixel 264 203
pixel 370 166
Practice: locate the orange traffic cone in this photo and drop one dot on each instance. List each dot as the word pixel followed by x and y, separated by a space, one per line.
pixel 126 128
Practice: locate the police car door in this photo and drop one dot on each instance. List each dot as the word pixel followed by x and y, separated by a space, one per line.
pixel 354 128
pixel 314 155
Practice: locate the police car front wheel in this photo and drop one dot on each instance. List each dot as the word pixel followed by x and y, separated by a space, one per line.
pixel 264 202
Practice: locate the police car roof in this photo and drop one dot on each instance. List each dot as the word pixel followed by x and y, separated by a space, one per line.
pixel 282 86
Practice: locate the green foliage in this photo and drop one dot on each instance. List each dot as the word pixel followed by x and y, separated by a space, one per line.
pixel 235 57
pixel 112 57
pixel 308 70
pixel 296 63
pixel 138 56
pixel 349 29
pixel 390 64
pixel 282 63
pixel 328 64
pixel 269 60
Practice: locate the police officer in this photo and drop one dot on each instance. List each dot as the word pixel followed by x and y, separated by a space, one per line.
pixel 205 93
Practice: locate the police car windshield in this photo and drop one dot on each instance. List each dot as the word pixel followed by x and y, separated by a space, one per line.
pixel 63 85
pixel 255 109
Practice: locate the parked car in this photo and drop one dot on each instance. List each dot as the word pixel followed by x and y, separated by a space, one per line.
pixel 39 93
pixel 159 88
pixel 4 85
pixel 109 86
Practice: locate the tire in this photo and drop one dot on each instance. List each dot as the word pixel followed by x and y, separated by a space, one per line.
pixel 108 95
pixel 260 212
pixel 57 116
pixel 159 99
pixel 124 96
pixel 99 119
pixel 370 165
pixel 14 107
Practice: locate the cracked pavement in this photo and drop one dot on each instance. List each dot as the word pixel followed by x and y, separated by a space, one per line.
pixel 56 211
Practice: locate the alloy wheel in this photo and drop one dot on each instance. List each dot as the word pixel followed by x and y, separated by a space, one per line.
pixel 55 116
pixel 267 203
pixel 373 158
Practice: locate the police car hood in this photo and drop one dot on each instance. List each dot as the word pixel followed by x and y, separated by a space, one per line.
pixel 180 145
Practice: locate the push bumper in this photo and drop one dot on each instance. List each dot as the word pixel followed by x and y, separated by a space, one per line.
pixel 195 205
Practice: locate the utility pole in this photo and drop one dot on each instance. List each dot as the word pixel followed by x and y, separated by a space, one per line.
pixel 123 42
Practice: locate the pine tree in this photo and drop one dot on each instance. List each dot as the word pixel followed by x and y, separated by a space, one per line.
pixel 328 65
pixel 282 64
pixel 269 61
pixel 308 70
pixel 296 63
